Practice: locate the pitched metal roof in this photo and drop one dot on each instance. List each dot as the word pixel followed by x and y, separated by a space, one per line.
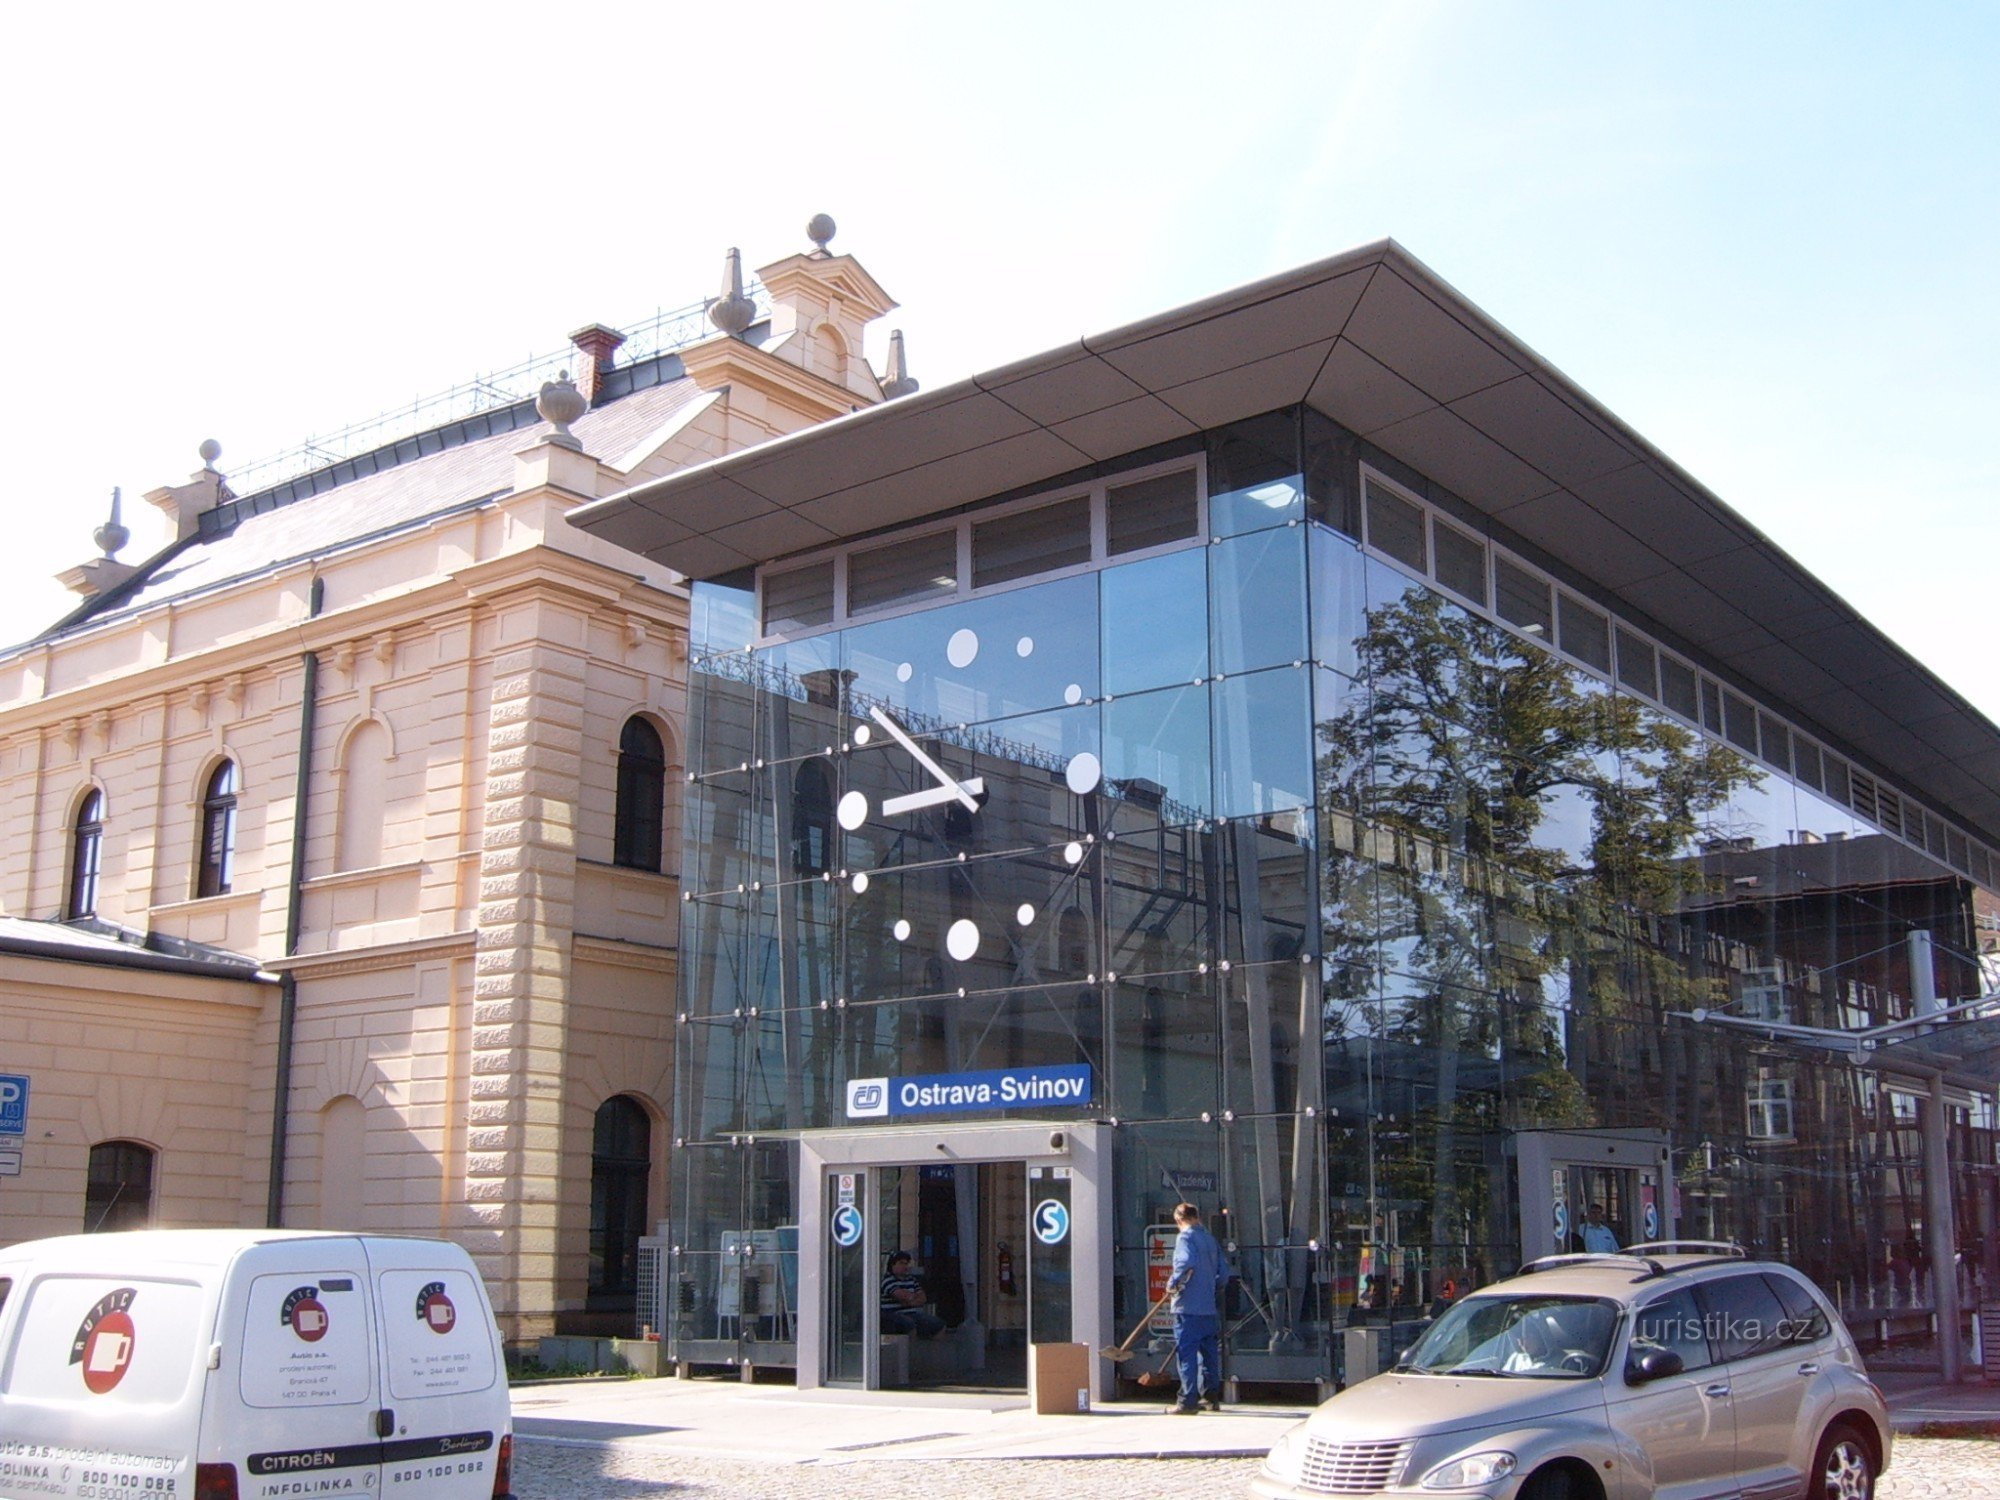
pixel 1377 341
pixel 318 514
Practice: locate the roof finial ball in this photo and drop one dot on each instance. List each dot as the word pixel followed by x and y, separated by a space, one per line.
pixel 559 404
pixel 210 451
pixel 112 534
pixel 819 231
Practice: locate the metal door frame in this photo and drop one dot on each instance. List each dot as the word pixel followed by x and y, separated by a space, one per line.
pixel 1539 1152
pixel 1084 1146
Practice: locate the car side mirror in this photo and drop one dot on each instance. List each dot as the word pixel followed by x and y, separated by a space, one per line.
pixel 1654 1364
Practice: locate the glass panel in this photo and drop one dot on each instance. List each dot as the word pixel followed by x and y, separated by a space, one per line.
pixel 798 599
pixel 1677 688
pixel 1638 664
pixel 1739 722
pixel 1263 742
pixel 1155 632
pixel 1033 541
pixel 1339 601
pixel 1164 1033
pixel 1523 599
pixel 1584 632
pixel 924 567
pixel 851 1290
pixel 1264 902
pixel 1156 882
pixel 1253 474
pixel 721 617
pixel 979 660
pixel 1151 513
pixel 1777 741
pixel 1049 1241
pixel 1333 475
pixel 1257 601
pixel 1461 562
pixel 1395 526
pixel 1162 739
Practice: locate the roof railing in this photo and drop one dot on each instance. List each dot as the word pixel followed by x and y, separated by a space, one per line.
pixel 1593 1258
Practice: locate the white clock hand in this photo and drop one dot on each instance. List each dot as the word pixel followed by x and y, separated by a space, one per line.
pixel 949 784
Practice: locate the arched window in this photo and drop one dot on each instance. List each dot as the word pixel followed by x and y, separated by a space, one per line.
pixel 216 858
pixel 86 857
pixel 642 780
pixel 621 1161
pixel 812 820
pixel 119 1191
pixel 364 797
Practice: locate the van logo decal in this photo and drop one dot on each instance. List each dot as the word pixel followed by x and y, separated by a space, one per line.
pixel 103 1344
pixel 434 1309
pixel 305 1314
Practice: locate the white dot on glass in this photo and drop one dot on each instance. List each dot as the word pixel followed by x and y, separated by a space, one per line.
pixel 961 648
pixel 904 671
pixel 902 931
pixel 853 811
pixel 863 734
pixel 1073 853
pixel 962 940
pixel 1025 646
pixel 860 882
pixel 1025 915
pixel 1083 773
pixel 1072 694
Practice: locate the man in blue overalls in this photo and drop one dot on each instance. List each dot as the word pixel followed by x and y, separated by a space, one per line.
pixel 1197 1282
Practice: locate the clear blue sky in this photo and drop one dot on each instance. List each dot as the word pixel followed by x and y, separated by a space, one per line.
pixel 1763 235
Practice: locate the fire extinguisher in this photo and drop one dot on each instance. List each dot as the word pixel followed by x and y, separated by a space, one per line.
pixel 1006 1264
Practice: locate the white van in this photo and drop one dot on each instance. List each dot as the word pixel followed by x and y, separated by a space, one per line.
pixel 223 1364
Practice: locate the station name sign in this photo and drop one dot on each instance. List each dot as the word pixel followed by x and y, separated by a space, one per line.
pixel 960 1093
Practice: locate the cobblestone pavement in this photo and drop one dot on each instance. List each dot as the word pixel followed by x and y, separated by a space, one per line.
pixel 1925 1469
pixel 549 1471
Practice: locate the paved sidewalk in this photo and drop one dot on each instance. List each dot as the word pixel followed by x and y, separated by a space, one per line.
pixel 779 1423
pixel 1923 1403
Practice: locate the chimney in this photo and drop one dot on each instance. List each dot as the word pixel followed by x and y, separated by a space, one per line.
pixel 598 344
pixel 184 504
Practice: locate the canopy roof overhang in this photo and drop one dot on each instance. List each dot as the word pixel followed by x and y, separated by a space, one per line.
pixel 1378 342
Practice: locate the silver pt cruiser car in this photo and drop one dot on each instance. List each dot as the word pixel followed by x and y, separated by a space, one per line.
pixel 1679 1370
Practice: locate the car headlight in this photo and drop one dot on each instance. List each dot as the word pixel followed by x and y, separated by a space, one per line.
pixel 1286 1462
pixel 1470 1471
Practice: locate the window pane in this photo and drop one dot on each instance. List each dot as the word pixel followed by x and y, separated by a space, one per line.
pixel 1677 688
pixel 1638 663
pixel 924 567
pixel 1162 738
pixel 1395 526
pixel 1739 723
pixel 1151 513
pixel 1523 599
pixel 1263 743
pixel 1744 1316
pixel 1673 1323
pixel 1033 541
pixel 1257 600
pixel 1461 562
pixel 1253 474
pixel 1155 629
pixel 1586 634
pixel 801 599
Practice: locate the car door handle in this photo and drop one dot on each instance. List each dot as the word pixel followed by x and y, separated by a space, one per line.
pixel 385 1423
pixel 1810 1367
pixel 1720 1388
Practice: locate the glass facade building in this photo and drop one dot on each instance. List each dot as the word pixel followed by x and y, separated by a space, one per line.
pixel 1352 869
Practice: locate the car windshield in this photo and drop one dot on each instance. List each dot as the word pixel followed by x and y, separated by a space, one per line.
pixel 1536 1338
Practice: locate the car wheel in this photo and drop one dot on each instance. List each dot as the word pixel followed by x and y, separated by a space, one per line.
pixel 1550 1484
pixel 1844 1468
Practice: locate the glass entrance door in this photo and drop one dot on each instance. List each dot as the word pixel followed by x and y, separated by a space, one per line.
pixel 850 1284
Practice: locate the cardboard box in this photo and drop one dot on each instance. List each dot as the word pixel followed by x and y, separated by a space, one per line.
pixel 1059 1379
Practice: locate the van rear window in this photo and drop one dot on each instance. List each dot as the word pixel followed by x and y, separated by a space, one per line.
pixel 438 1337
pixel 109 1340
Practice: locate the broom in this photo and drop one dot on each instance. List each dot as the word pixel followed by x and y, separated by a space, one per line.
pixel 1154 1380
pixel 1123 1352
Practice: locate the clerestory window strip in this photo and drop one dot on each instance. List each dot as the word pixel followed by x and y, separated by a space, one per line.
pixel 1410 533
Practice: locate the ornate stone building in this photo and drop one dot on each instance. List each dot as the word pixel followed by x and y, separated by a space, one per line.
pixel 337 840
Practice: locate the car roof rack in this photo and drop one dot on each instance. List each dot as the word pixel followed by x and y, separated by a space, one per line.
pixel 1593 1258
pixel 1721 1249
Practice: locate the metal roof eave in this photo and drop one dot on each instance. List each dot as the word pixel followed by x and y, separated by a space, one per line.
pixel 1380 343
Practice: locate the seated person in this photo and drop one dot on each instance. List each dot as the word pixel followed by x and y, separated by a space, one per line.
pixel 904 1300
pixel 1533 1349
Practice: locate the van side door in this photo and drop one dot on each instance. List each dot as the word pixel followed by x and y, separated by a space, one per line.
pixel 443 1377
pixel 292 1400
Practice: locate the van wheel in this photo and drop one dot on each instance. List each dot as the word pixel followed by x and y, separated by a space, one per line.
pixel 1844 1468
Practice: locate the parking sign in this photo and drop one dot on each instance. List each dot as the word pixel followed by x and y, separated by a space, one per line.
pixel 13 1103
